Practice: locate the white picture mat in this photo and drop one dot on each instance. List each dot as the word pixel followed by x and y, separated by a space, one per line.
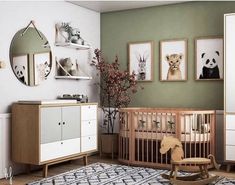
pixel 20 61
pixel 209 46
pixel 173 47
pixel 143 49
pixel 40 58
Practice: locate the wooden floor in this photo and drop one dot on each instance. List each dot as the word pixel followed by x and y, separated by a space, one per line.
pixel 60 168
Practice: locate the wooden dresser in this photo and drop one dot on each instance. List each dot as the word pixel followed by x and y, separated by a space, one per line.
pixel 51 133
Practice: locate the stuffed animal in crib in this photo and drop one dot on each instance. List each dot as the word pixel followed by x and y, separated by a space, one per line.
pixel 174 72
pixel 210 69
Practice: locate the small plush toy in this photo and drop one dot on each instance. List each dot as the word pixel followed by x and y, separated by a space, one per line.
pixel 67 69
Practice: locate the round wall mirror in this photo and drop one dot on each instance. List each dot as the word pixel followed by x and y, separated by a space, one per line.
pixel 30 56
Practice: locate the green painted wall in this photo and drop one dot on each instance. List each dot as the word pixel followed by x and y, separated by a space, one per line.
pixel 186 20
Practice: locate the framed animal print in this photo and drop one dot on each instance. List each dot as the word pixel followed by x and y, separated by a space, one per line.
pixel 20 67
pixel 42 66
pixel 209 58
pixel 173 60
pixel 141 60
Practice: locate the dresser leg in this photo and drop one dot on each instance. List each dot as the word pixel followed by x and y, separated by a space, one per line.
pixel 45 170
pixel 228 167
pixel 28 168
pixel 85 160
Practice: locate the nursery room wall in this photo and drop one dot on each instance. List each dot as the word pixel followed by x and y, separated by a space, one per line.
pixel 16 15
pixel 179 21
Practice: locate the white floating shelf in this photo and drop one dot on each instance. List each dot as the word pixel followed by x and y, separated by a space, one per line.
pixel 72 45
pixel 74 77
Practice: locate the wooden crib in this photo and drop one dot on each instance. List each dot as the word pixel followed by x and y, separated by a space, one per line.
pixel 142 129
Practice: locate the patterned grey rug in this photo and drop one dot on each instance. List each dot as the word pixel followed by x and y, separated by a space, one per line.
pixel 113 174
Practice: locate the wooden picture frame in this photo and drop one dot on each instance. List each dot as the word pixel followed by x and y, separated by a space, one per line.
pixel 173 60
pixel 42 66
pixel 140 60
pixel 209 56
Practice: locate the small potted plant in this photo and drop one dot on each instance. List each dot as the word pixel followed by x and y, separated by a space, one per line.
pixel 116 86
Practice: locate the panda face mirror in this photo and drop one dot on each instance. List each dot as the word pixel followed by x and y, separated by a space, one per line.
pixel 30 56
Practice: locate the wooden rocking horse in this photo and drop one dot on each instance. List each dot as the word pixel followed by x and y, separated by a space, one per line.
pixel 177 159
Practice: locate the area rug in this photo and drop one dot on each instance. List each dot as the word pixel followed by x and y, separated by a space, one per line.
pixel 113 174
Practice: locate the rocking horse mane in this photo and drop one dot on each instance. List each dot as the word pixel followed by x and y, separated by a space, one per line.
pixel 169 142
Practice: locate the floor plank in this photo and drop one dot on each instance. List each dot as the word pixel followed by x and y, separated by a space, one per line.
pixel 60 168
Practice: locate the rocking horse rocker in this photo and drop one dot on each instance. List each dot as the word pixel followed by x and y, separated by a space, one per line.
pixel 177 160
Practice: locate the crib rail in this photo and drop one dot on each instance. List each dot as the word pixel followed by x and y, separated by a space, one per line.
pixel 141 132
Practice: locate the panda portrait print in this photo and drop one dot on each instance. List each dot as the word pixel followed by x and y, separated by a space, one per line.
pixel 210 67
pixel 20 67
pixel 209 59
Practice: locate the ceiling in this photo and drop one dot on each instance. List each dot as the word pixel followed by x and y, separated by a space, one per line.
pixel 109 6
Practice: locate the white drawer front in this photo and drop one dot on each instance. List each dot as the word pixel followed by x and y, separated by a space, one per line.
pixel 89 128
pixel 89 143
pixel 50 151
pixel 230 153
pixel 89 112
pixel 230 137
pixel 230 122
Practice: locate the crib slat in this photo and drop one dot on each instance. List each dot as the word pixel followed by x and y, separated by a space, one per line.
pixel 138 141
pixel 190 130
pixel 151 120
pixel 161 137
pixel 195 139
pixel 142 140
pixel 185 139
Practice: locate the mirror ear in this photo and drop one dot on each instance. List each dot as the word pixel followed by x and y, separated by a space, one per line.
pixel 203 54
pixel 181 56
pixel 167 58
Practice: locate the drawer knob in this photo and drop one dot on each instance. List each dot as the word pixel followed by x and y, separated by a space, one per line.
pixel 59 123
pixel 63 123
pixel 62 143
pixel 89 122
pixel 89 138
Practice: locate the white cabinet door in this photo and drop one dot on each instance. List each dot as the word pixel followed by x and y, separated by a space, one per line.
pixel 50 124
pixel 71 122
pixel 229 30
pixel 230 137
pixel 230 122
pixel 88 143
pixel 89 128
pixel 230 153
pixel 88 112
pixel 51 151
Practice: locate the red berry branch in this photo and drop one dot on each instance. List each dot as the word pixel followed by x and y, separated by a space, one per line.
pixel 115 85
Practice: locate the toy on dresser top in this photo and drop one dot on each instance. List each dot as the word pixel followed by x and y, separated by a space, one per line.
pixel 68 34
pixel 79 97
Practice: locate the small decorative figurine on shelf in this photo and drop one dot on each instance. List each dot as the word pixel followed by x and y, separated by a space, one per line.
pixel 66 67
pixel 67 34
pixel 9 174
pixel 2 64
